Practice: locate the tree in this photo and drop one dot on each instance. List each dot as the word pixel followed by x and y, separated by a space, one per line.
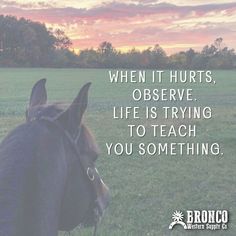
pixel 178 60
pixel 218 56
pixel 89 58
pixel 107 55
pixel 31 44
pixel 159 57
pixel 25 43
pixel 106 48
pixel 62 41
pixel 218 44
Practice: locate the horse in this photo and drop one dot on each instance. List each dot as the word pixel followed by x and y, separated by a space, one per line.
pixel 48 179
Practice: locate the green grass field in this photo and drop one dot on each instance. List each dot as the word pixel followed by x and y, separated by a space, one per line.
pixel 145 190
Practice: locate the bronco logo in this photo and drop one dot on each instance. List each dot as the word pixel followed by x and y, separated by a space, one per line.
pixel 201 219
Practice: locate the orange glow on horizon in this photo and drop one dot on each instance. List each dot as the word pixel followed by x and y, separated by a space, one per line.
pixel 169 49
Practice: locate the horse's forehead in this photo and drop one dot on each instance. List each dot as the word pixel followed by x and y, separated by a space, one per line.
pixel 45 110
pixel 88 142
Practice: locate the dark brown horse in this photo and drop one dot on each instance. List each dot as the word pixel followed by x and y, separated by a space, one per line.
pixel 48 179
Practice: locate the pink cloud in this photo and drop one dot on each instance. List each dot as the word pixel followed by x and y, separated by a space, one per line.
pixel 137 24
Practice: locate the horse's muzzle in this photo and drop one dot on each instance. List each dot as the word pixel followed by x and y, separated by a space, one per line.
pixel 101 203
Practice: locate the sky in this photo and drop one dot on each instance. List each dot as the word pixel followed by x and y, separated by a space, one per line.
pixel 173 24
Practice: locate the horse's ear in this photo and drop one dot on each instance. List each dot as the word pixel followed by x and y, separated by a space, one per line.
pixel 72 117
pixel 38 94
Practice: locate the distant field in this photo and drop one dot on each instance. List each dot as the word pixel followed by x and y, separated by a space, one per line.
pixel 145 190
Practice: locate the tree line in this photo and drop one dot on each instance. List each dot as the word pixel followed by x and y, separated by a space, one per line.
pixel 24 43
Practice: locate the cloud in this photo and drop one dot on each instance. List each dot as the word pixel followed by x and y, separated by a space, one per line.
pixel 112 10
pixel 137 23
pixel 25 5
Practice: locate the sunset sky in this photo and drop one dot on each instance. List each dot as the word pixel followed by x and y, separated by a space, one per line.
pixel 174 24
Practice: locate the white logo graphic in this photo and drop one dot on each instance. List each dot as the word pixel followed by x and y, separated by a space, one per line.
pixel 178 217
pixel 201 219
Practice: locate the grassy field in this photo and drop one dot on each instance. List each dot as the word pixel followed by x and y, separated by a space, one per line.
pixel 145 190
